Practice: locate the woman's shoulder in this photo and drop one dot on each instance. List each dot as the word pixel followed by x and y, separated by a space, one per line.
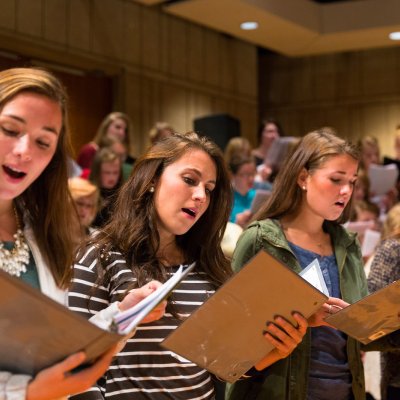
pixel 92 255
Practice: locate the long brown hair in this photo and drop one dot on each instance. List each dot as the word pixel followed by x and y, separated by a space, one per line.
pixel 311 153
pixel 46 203
pixel 132 229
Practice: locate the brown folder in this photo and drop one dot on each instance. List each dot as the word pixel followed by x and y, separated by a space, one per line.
pixel 225 335
pixel 372 317
pixel 36 332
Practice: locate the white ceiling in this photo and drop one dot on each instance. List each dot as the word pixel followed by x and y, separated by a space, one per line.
pixel 296 27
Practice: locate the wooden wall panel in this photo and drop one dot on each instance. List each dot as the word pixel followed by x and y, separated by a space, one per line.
pixel 55 21
pixel 108 31
pixel 211 62
pixel 177 48
pixel 79 24
pixel 246 67
pixel 29 17
pixel 160 67
pixel 8 14
pixel 195 53
pixel 132 43
pixel 151 38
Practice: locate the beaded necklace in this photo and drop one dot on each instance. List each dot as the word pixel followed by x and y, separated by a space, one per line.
pixel 14 261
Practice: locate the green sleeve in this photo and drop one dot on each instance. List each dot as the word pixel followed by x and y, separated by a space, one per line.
pixel 247 247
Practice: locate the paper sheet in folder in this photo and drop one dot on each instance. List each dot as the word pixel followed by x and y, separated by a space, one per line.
pixel 225 335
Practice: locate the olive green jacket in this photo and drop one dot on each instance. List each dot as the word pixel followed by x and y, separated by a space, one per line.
pixel 287 378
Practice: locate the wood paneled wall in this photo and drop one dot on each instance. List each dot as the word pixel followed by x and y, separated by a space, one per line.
pixel 164 68
pixel 358 93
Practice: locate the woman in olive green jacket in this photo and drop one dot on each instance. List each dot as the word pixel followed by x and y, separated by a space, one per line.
pixel 301 222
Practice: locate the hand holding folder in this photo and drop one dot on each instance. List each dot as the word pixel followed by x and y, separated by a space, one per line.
pixel 36 332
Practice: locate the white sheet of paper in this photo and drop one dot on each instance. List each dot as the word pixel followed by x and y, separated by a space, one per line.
pixel 382 178
pixel 370 241
pixel 313 275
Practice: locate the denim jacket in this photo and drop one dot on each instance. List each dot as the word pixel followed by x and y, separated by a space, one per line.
pixel 288 378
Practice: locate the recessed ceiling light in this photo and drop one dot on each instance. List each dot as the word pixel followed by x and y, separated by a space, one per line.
pixel 394 36
pixel 249 25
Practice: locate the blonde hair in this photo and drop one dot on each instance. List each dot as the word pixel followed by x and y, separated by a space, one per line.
pixel 80 187
pixel 391 226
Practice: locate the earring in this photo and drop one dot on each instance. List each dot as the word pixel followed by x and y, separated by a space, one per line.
pixel 151 190
pixel 304 188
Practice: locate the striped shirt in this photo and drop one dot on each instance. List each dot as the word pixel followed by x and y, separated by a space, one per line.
pixel 143 369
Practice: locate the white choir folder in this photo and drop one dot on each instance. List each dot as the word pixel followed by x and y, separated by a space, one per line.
pixel 225 335
pixel 36 332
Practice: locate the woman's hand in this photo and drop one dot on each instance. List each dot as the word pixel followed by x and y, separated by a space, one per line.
pixel 58 381
pixel 137 295
pixel 332 306
pixel 284 336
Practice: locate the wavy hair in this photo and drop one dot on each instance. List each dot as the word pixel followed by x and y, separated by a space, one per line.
pixel 313 150
pixel 46 204
pixel 132 229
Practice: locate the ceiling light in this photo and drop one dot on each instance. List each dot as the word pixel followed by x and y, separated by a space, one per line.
pixel 394 36
pixel 249 25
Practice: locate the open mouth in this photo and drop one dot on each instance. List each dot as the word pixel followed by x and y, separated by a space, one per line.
pixel 189 211
pixel 340 203
pixel 13 173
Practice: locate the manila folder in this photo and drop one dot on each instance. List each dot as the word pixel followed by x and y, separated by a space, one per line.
pixel 225 335
pixel 37 332
pixel 372 317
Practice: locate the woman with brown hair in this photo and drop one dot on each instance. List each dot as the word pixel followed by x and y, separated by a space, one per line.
pixel 36 215
pixel 172 211
pixel 301 222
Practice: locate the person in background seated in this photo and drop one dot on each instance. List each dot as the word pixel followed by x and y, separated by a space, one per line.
pixel 86 197
pixel 159 131
pixel 243 172
pixel 270 130
pixel 106 174
pixel 115 125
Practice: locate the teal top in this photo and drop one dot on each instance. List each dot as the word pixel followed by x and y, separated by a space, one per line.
pixel 31 276
pixel 241 203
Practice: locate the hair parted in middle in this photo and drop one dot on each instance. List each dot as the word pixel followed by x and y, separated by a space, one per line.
pixel 133 230
pixel 312 151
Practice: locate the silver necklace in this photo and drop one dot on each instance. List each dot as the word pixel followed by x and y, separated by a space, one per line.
pixel 14 261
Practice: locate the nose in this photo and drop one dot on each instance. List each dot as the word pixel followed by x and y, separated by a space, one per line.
pixel 22 148
pixel 200 194
pixel 346 189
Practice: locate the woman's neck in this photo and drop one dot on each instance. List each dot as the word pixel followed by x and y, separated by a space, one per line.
pixel 169 253
pixel 8 222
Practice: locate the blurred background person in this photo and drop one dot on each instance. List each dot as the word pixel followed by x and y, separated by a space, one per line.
pixel 243 172
pixel 159 131
pixel 269 130
pixel 86 197
pixel 106 174
pixel 385 268
pixel 115 125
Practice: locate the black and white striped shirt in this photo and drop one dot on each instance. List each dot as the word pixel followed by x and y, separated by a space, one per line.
pixel 143 369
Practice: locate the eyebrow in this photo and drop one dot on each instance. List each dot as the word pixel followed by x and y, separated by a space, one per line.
pixel 198 173
pixel 344 173
pixel 46 128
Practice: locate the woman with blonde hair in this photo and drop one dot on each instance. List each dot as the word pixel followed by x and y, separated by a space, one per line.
pixel 115 125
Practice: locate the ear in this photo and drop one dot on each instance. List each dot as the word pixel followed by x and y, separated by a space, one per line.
pixel 302 179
